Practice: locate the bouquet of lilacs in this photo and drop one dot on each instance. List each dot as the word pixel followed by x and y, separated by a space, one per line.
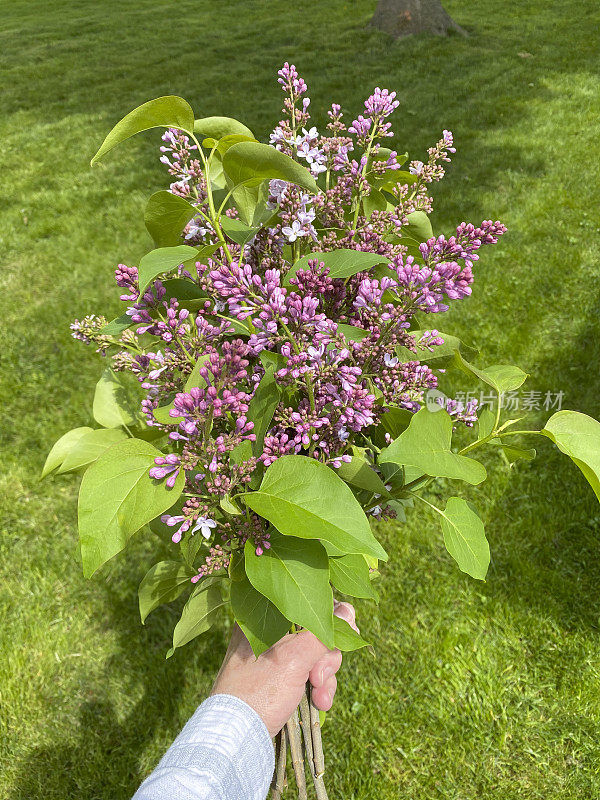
pixel 274 384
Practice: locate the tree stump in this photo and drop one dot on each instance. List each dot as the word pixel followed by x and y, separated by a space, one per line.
pixel 404 17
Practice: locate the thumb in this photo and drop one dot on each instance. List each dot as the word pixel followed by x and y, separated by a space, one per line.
pixel 303 649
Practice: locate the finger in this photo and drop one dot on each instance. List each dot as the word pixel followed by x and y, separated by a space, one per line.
pixel 303 648
pixel 323 696
pixel 325 667
pixel 346 612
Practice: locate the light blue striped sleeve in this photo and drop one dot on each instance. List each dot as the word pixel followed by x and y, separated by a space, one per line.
pixel 224 752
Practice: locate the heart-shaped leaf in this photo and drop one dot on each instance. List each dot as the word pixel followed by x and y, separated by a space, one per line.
pixel 163 583
pixel 237 231
pixel 350 575
pixel 62 448
pixel 262 623
pixel 302 497
pixel 113 404
pixel 116 326
pixel 294 575
pixel 90 447
pixel 165 259
pixel 425 444
pixel 262 407
pixel 199 613
pixel 439 355
pixel 501 377
pixel 218 127
pixel 251 163
pixel 352 333
pixel 166 216
pixel 418 228
pixel 164 112
pixel 360 473
pixel 345 637
pixel 341 263
pixel 578 436
pixel 117 497
pixel 464 537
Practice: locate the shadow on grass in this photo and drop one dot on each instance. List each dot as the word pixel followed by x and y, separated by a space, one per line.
pixel 472 86
pixel 104 761
pixel 547 553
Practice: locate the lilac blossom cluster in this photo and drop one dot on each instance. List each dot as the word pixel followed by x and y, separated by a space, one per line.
pixel 260 319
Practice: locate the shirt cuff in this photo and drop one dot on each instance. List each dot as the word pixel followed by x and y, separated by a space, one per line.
pixel 225 744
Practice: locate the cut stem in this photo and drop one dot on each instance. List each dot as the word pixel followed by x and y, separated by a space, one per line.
pixel 318 759
pixel 281 759
pixel 315 724
pixel 306 729
pixel 293 733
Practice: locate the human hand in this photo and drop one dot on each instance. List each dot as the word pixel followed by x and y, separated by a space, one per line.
pixel 273 683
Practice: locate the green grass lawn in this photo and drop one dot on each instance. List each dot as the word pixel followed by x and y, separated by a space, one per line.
pixel 479 690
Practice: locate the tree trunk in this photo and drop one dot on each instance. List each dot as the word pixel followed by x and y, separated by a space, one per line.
pixel 404 17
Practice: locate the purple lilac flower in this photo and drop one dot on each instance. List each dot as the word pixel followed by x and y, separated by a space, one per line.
pixel 332 389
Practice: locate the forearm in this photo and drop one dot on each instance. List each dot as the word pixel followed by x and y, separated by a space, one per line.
pixel 223 753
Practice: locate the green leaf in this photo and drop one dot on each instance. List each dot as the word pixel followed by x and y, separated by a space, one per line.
pixel 162 414
pixel 270 359
pixel 218 127
pixel 164 112
pixel 486 422
pixel 252 163
pixel 262 407
pixel 90 447
pixel 237 231
pixel 166 216
pixel 425 444
pixel 163 583
pixel 352 333
pixel 393 178
pixel 112 403
pixel 228 505
pixel 441 355
pixel 62 448
pixel 302 497
pixel 341 263
pixel 199 613
pixel 241 453
pixel 188 293
pixel 418 228
pixel 164 259
pixel 251 202
pixel 578 436
pixel 345 637
pixel 116 326
pixel 190 546
pixel 117 498
pixel 262 623
pixel 396 420
pixel 514 454
pixel 223 144
pixel 294 575
pixel 195 379
pixel 374 201
pixel 350 575
pixel 360 473
pixel 464 537
pixel 501 377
